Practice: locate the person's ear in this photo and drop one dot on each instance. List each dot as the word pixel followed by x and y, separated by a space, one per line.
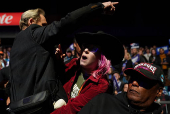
pixel 159 91
pixel 31 21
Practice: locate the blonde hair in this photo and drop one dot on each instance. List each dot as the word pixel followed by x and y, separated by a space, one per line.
pixel 128 54
pixel 33 13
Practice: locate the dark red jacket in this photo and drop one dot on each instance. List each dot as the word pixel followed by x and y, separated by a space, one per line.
pixel 91 88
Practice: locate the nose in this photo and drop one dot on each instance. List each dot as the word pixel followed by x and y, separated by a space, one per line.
pixel 135 83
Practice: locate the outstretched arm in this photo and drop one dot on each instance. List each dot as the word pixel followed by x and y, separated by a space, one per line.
pixel 71 22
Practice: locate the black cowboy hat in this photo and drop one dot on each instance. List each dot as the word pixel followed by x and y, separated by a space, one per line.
pixel 110 46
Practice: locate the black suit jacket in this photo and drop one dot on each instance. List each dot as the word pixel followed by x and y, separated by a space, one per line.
pixel 32 59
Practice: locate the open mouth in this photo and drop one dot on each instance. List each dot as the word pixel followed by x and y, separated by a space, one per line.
pixel 84 57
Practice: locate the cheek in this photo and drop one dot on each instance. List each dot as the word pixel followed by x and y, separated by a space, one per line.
pixel 92 58
pixel 93 62
pixel 153 92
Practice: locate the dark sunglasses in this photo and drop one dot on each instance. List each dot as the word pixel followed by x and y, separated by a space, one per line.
pixel 143 81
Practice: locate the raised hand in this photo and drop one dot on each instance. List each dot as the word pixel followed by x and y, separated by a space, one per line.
pixel 59 54
pixel 109 7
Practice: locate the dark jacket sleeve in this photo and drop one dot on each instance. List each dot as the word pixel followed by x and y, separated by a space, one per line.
pixel 58 29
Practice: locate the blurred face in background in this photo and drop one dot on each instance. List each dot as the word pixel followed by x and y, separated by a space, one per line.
pixel 154 46
pixel 68 54
pixel 125 88
pixel 140 52
pixel 134 51
pixel 9 49
pixel 161 51
pixel 110 70
pixel 4 50
pixel 153 52
pixel 127 56
pixel 1 56
pixel 5 55
pixel 147 50
pixel 168 53
pixel 117 76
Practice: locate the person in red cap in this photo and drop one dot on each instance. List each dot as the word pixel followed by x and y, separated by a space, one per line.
pixel 145 85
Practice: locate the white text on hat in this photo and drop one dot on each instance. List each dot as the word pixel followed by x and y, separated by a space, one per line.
pixel 149 66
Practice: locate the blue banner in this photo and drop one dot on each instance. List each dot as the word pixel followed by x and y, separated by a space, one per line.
pixel 166 49
pixel 72 46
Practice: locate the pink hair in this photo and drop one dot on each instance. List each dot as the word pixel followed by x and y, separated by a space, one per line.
pixel 103 67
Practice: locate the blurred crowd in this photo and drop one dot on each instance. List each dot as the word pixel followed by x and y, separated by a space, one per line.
pixel 135 54
pixel 118 80
pixel 4 56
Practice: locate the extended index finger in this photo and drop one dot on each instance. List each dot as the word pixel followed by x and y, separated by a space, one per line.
pixel 113 3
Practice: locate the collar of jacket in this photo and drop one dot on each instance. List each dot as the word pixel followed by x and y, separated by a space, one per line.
pixel 91 77
pixel 154 109
pixel 134 111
